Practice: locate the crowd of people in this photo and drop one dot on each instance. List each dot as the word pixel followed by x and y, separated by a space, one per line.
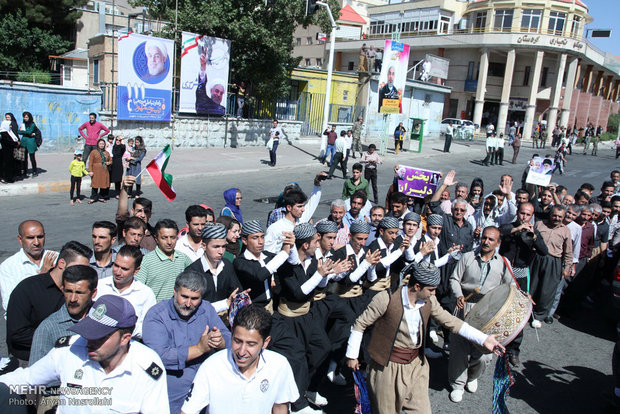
pixel 19 143
pixel 227 307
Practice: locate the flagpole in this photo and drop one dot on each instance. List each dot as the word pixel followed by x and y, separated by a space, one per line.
pixel 144 169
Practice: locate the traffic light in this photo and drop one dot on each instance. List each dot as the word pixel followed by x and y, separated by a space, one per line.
pixel 311 7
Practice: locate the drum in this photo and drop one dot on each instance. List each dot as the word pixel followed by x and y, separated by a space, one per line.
pixel 503 311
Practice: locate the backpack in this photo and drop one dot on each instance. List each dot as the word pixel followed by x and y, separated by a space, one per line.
pixel 38 138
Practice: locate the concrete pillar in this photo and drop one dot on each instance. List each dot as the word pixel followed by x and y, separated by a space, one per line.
pixel 571 76
pixel 608 84
pixel 531 103
pixel 587 79
pixel 505 100
pixel 557 92
pixel 598 85
pixel 482 86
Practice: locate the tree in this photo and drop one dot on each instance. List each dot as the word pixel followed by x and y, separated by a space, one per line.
pixel 26 48
pixel 261 35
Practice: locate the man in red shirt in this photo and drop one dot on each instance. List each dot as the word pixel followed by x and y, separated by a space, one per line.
pixel 93 133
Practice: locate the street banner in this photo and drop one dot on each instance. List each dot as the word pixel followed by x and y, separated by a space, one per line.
pixel 393 77
pixel 417 182
pixel 204 74
pixel 145 78
pixel 541 171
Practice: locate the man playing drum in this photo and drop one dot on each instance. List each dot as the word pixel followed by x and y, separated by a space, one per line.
pixel 399 373
pixel 476 273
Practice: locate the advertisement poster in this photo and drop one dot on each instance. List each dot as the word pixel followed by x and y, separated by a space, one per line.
pixel 417 182
pixel 204 74
pixel 393 77
pixel 541 171
pixel 145 78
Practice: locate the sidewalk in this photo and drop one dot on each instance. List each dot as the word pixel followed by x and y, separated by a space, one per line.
pixel 205 162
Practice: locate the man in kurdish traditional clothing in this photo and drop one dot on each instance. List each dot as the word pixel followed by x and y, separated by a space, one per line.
pixel 399 373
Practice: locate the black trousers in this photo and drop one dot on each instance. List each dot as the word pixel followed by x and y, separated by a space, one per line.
pixel 371 175
pixel 499 156
pixel 546 274
pixel 338 158
pixel 99 193
pixel 76 185
pixel 490 157
pixel 33 161
pixel 447 143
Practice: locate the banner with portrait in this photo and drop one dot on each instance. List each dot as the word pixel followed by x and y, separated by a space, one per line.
pixel 416 182
pixel 540 172
pixel 204 74
pixel 145 78
pixel 393 77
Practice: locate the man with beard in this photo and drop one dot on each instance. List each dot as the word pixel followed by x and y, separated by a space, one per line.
pixel 547 271
pixel 184 331
pixel 398 207
pixel 225 376
pixel 191 242
pixel 337 213
pixel 376 215
pixel 388 91
pixel 357 201
pixel 31 259
pixel 543 206
pixel 37 297
pixel 521 242
pixel 94 131
pixel 104 236
pixel 255 268
pixel 122 283
pixel 484 269
pixel 160 267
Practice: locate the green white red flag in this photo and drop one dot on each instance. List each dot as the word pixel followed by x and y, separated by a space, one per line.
pixel 157 170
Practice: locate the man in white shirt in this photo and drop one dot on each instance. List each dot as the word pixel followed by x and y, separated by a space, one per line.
pixel 248 378
pixel 30 260
pixel 341 156
pixel 490 147
pixel 122 283
pixel 191 242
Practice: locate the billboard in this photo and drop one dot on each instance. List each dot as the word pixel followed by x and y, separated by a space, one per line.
pixel 393 77
pixel 204 74
pixel 145 78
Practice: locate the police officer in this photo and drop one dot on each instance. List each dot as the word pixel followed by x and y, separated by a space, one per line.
pixel 101 369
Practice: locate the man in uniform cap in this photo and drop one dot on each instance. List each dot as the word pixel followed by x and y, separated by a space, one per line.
pixel 411 229
pixel 256 267
pixel 391 247
pixel 222 282
pixel 103 345
pixel 399 373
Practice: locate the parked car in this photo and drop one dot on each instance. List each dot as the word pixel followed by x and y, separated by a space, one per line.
pixel 463 129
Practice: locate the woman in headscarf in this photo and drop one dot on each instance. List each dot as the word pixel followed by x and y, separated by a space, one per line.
pixel 233 237
pixel 98 162
pixel 116 175
pixel 233 198
pixel 135 164
pixel 476 189
pixel 9 141
pixel 28 141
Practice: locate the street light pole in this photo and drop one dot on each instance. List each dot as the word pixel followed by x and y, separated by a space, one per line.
pixel 328 87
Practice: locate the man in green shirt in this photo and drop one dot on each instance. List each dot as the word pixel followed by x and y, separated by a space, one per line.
pixel 160 268
pixel 355 183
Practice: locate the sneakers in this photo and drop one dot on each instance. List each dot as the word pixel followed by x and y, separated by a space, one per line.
pixel 472 386
pixel 308 410
pixel 336 379
pixel 536 324
pixel 316 398
pixel 430 353
pixel 456 396
pixel 434 336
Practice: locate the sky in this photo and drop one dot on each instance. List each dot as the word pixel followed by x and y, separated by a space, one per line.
pixel 603 19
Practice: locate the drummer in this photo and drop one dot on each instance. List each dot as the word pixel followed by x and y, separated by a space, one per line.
pixel 399 372
pixel 484 269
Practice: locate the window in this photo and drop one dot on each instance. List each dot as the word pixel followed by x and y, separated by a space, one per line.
pixel 444 24
pixel 503 20
pixel 526 76
pixel 345 96
pixel 481 20
pixel 350 66
pixel 308 63
pixel 530 20
pixel 319 62
pixel 556 22
pixel 66 72
pixel 497 69
pixel 299 41
pixel 309 40
pixel 470 70
pixel 96 71
pixel 543 77
pixel 575 29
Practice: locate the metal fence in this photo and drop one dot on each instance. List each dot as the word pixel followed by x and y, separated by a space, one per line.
pixel 307 108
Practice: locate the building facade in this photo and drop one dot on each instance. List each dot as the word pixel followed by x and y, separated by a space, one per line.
pixel 510 61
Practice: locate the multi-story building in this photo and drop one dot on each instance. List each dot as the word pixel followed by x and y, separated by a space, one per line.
pixel 509 61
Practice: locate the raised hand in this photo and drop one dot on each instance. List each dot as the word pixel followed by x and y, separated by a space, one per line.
pixel 449 180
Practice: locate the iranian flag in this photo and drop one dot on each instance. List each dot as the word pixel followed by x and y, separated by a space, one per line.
pixel 157 170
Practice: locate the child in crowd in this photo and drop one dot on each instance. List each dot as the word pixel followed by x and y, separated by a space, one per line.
pixel 127 153
pixel 77 168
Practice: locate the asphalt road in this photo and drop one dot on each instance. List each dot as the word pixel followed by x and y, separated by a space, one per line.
pixel 565 368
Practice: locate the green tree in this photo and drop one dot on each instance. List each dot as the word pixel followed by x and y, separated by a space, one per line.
pixel 261 35
pixel 24 47
pixel 56 16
